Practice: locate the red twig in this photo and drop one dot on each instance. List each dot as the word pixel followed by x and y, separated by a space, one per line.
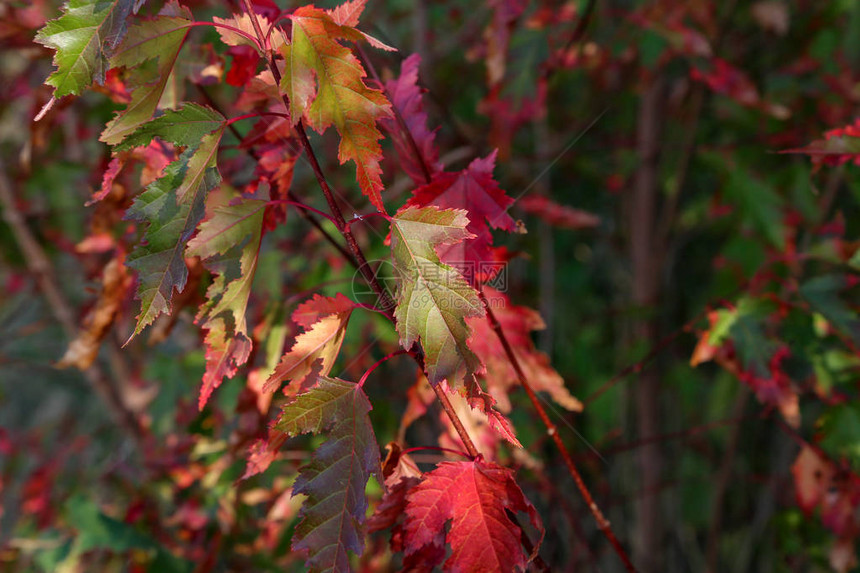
pixel 377 363
pixel 301 205
pixel 256 114
pixel 435 449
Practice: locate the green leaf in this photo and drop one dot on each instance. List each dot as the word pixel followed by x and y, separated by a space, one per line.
pixel 99 531
pixel 229 243
pixel 759 204
pixel 173 206
pixel 185 127
pixel 747 331
pixel 822 293
pixel 158 40
pixel 83 37
pixel 840 431
pixel 433 299
pixel 333 514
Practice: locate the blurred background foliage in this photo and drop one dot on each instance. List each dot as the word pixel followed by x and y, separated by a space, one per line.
pixel 664 119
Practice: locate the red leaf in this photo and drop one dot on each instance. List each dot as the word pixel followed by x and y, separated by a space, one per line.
pixel 224 355
pixel 108 178
pixel 244 66
pixel 475 190
pixel 406 97
pixel 483 402
pixel 401 475
pixel 517 322
pixel 314 309
pixel 473 496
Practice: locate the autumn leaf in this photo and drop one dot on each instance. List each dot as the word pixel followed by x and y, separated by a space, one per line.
pixel 159 258
pixel 433 299
pixel 406 98
pixel 324 320
pixel 229 244
pixel 184 127
pixel 84 38
pixel 401 474
pixel 156 40
pixel 240 22
pixel 324 82
pixel 737 341
pixel 226 351
pixel 517 322
pixel 484 403
pixel 473 496
pixel 321 343
pixel 333 514
pixel 318 306
pixel 474 190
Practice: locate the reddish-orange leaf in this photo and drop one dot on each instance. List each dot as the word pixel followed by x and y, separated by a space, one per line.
pixel 325 85
pixel 319 343
pixel 517 323
pixel 473 497
pixel 314 309
pixel 474 190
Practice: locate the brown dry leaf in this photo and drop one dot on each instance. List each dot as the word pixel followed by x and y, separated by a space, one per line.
pixel 85 347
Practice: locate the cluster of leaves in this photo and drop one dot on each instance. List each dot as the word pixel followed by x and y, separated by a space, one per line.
pixel 198 219
pixel 189 212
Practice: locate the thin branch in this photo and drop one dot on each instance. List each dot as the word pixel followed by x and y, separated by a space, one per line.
pixel 40 266
pixel 434 449
pixel 602 522
pixel 300 205
pixel 385 358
